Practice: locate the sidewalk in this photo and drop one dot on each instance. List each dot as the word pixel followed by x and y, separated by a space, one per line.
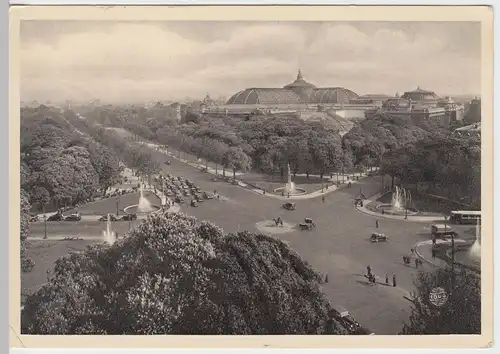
pixel 423 250
pixel 411 218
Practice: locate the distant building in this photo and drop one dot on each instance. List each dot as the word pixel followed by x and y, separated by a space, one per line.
pixel 420 105
pixel 473 112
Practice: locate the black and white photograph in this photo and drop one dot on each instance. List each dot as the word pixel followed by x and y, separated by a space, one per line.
pixel 244 177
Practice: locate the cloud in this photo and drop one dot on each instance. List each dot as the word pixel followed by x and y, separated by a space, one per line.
pixel 147 61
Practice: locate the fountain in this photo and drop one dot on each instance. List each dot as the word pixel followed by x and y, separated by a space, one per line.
pixel 144 206
pixel 475 250
pixel 290 188
pixel 109 236
pixel 401 199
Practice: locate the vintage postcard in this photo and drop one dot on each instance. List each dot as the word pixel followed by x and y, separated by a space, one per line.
pixel 251 176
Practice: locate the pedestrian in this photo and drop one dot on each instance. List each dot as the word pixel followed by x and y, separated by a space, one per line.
pixel 376 224
pixel 264 191
pixel 383 211
pixel 394 280
pixel 386 279
pixel 283 193
pixel 433 253
pixel 323 198
pixel 369 270
pixel 434 240
pixel 416 263
pixel 288 194
pixel 326 278
pixel 215 192
pixel 412 250
pixel 349 184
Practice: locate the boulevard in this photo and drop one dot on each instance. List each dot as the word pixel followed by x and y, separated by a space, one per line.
pixel 338 246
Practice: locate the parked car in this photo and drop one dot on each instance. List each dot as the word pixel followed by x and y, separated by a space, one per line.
pixel 179 199
pixel 112 217
pixel 289 206
pixel 73 217
pixel 442 231
pixel 208 195
pixel 194 203
pixel 129 217
pixel 56 217
pixel 34 218
pixel 168 162
pixel 343 316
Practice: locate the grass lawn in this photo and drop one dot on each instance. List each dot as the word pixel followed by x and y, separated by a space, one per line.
pixel 108 205
pixel 44 254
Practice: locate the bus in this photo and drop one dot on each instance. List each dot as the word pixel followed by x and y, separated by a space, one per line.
pixel 465 216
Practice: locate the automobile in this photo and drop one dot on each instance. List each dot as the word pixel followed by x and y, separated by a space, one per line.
pixel 198 197
pixel 378 237
pixel 207 195
pixel 104 217
pixel 168 162
pixel 307 224
pixel 194 203
pixel 56 217
pixel 73 217
pixel 34 218
pixel 289 206
pixel 129 217
pixel 215 179
pixel 343 316
pixel 442 231
pixel 179 199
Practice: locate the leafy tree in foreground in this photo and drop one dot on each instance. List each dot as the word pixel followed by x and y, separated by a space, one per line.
pixel 461 314
pixel 177 275
pixel 27 263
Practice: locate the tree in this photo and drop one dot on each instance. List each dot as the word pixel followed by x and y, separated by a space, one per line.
pixel 461 314
pixel 27 263
pixel 40 196
pixel 177 275
pixel 106 165
pixel 237 160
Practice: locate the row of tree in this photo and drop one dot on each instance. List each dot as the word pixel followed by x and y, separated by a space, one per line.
pixel 59 165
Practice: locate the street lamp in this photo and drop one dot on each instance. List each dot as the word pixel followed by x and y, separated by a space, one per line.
pixel 406 209
pixel 117 206
pixel 44 226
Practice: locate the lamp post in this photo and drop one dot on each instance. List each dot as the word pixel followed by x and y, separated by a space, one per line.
pixel 44 226
pixel 406 209
pixel 117 206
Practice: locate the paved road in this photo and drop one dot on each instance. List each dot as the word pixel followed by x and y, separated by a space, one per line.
pixel 338 246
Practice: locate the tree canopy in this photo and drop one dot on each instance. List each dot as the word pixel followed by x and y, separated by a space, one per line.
pixel 461 314
pixel 177 275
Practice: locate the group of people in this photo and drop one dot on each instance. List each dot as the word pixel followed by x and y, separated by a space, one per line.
pixel 372 279
pixel 278 221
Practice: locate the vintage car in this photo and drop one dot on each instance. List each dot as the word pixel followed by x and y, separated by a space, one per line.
pixel 168 162
pixel 307 224
pixel 129 217
pixel 73 217
pixel 34 218
pixel 378 237
pixel 104 217
pixel 194 203
pixel 206 195
pixel 179 199
pixel 56 217
pixel 289 206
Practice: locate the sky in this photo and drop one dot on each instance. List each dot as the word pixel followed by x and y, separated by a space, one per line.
pixel 148 61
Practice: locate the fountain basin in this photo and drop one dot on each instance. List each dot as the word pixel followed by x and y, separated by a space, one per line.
pixel 296 191
pixel 134 209
pixel 466 255
pixel 391 210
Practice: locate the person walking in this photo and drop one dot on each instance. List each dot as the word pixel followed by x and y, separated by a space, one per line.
pixel 326 278
pixel 369 270
pixel 416 263
pixel 323 198
pixel 386 279
pixel 376 224
pixel 394 280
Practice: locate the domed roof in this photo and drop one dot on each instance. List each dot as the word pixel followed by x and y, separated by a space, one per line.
pixel 300 82
pixel 420 95
pixel 264 96
pixel 396 103
pixel 332 95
